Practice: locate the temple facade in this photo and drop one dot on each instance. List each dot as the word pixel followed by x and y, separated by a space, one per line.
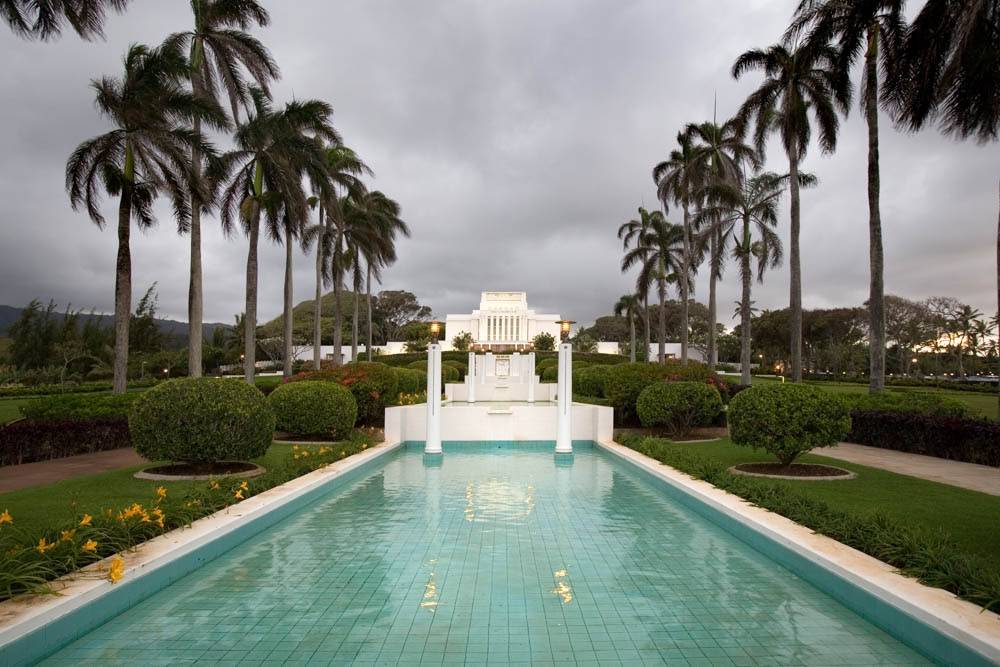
pixel 502 323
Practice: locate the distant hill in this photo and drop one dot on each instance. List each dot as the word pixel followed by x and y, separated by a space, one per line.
pixel 173 328
pixel 302 316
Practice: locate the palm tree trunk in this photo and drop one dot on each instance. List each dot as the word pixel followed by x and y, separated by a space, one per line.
pixel 713 354
pixel 631 331
pixel 123 290
pixel 250 314
pixel 645 320
pixel 287 370
pixel 795 268
pixel 357 315
pixel 368 320
pixel 684 286
pixel 662 351
pixel 318 305
pixel 195 293
pixel 876 296
pixel 746 277
pixel 338 315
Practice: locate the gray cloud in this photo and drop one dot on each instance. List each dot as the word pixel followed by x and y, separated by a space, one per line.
pixel 517 136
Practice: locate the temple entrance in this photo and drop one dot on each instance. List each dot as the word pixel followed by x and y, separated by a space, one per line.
pixel 503 366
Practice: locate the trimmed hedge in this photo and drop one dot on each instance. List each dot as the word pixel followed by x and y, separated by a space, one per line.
pixel 897 401
pixel 589 381
pixel 268 383
pixel 678 406
pixel 550 374
pixel 201 420
pixel 411 380
pixel 946 437
pixel 314 409
pixel 624 383
pixel 787 419
pixel 18 391
pixel 83 407
pixel 449 374
pixel 373 384
pixel 27 441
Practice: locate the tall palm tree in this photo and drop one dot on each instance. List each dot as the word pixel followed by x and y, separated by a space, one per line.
pixel 275 149
pixel 720 153
pixel 220 51
pixel 321 235
pixel 45 19
pixel 951 73
pixel 629 305
pixel 659 254
pixel 345 168
pixel 744 218
pixel 629 233
pixel 144 155
pixel 678 179
pixel 874 28
pixel 797 80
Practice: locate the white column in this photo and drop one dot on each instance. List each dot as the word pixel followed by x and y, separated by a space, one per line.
pixel 515 367
pixel 432 443
pixel 530 372
pixel 470 379
pixel 564 391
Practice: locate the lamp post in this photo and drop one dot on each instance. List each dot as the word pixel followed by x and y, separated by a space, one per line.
pixel 564 327
pixel 564 392
pixel 435 326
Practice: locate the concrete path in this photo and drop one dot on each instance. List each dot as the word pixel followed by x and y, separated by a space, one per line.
pixel 966 475
pixel 13 478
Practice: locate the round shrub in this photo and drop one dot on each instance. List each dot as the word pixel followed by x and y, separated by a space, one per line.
pixel 692 371
pixel 787 419
pixel 589 381
pixel 201 420
pixel 624 382
pixel 420 365
pixel 550 374
pixel 463 369
pixel 314 409
pixel 449 374
pixel 373 385
pixel 411 380
pixel 678 407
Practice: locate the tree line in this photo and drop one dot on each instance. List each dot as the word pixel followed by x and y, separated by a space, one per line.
pixel 942 68
pixel 288 174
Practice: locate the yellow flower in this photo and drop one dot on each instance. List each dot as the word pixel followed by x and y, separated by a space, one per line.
pixel 89 545
pixel 215 486
pixel 6 518
pixel 159 517
pixel 85 521
pixel 161 492
pixel 244 485
pixel 44 546
pixel 117 569
pixel 238 495
pixel 67 535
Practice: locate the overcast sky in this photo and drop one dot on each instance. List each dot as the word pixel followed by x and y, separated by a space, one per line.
pixel 516 136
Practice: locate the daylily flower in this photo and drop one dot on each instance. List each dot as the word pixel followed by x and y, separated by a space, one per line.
pixel 85 521
pixel 67 535
pixel 89 545
pixel 6 518
pixel 44 546
pixel 161 492
pixel 238 495
pixel 117 569
pixel 215 486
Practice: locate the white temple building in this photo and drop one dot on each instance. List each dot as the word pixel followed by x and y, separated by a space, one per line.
pixel 502 323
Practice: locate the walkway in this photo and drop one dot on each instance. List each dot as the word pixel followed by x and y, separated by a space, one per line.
pixel 13 478
pixel 985 479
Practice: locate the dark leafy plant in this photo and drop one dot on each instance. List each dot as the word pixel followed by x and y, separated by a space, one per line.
pixel 27 440
pixel 201 420
pixel 589 380
pixel 943 436
pixel 678 407
pixel 374 386
pixel 787 420
pixel 323 409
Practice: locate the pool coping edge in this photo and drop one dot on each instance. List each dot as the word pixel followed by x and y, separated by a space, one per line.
pixel 961 621
pixel 26 616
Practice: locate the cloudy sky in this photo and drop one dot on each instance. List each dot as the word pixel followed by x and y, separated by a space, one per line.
pixel 516 135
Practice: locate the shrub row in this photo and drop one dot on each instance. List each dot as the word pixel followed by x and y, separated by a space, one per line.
pixel 20 391
pixel 314 409
pixel 86 406
pixel 678 407
pixel 374 386
pixel 932 558
pixel 943 436
pixel 27 441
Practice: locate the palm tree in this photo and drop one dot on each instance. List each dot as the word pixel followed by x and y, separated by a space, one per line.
pixel 678 179
pixel 720 153
pixel 629 305
pixel 274 150
pixel 629 233
pixel 141 157
pixel 744 217
pixel 797 80
pixel 659 254
pixel 220 51
pixel 964 322
pixel 874 28
pixel 44 19
pixel 951 73
pixel 320 234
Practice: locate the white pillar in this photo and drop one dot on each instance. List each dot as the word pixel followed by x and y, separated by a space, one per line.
pixel 530 373
pixel 432 443
pixel 515 367
pixel 470 378
pixel 491 368
pixel 564 391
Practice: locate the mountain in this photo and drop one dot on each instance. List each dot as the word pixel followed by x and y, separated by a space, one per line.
pixel 173 328
pixel 302 316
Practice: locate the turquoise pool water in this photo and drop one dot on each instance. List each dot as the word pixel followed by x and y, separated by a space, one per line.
pixel 497 555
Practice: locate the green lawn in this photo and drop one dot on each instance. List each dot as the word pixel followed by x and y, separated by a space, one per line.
pixel 981 404
pixel 969 517
pixel 10 408
pixel 46 507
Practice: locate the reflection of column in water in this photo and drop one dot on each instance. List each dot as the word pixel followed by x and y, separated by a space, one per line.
pixel 432 489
